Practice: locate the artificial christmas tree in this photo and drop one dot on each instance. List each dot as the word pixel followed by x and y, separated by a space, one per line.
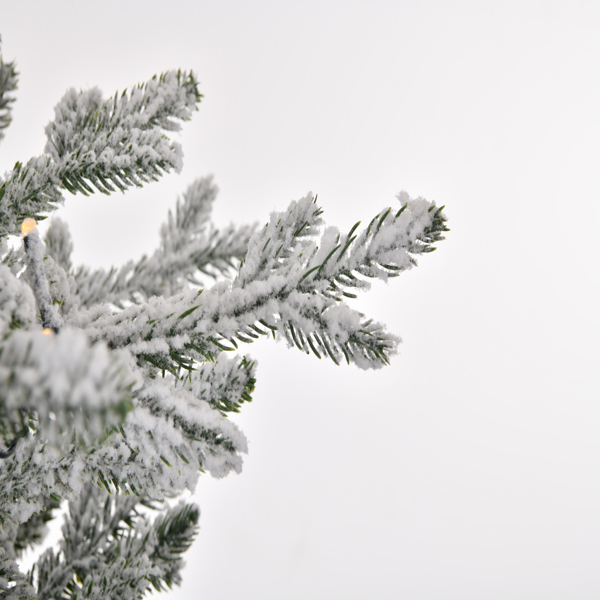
pixel 115 386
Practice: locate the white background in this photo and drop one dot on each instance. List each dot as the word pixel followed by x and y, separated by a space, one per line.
pixel 469 468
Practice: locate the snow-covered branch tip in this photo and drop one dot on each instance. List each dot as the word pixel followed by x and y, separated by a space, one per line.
pixel 116 143
pixel 101 145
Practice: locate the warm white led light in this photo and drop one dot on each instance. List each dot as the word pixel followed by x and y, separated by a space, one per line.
pixel 27 226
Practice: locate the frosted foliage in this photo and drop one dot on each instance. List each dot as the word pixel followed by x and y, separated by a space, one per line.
pixel 166 436
pixel 191 246
pixel 12 257
pixel 71 385
pixel 8 84
pixel 28 190
pixel 16 538
pixel 110 551
pixel 8 536
pixel 286 236
pixel 173 432
pixel 59 283
pixel 190 249
pixel 121 136
pixel 104 145
pixel 36 276
pixel 17 304
pixel 191 215
pixel 280 290
pixel 225 384
pixel 165 440
pixel 115 386
pixel 59 245
pixel 192 431
pixel 13 584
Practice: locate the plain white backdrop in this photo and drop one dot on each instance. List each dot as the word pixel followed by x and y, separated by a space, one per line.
pixel 469 468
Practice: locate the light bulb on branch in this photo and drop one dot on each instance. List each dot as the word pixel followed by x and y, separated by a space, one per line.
pixel 28 226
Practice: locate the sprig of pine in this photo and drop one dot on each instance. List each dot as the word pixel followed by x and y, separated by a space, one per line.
pixel 104 145
pixel 110 550
pixel 189 248
pixel 9 78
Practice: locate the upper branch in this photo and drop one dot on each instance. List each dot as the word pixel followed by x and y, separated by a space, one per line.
pixel 120 142
pixel 285 285
pixel 101 144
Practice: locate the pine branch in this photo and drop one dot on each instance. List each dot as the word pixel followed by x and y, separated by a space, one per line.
pixel 8 83
pixel 95 520
pixel 286 286
pixel 109 550
pixel 335 331
pixel 282 242
pixel 59 245
pixel 14 258
pixel 16 538
pixel 108 144
pixel 198 437
pixel 165 440
pixel 67 393
pixel 33 531
pixel 59 385
pixel 14 585
pixel 116 143
pixel 189 233
pixel 190 247
pixel 34 252
pixel 175 532
pixel 197 329
pixel 384 249
pixel 133 407
pixel 8 537
pixel 192 215
pixel 17 302
pixel 28 192
pixel 226 384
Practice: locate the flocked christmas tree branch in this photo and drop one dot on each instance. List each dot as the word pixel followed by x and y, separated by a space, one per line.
pixel 115 387
pixel 8 84
pixel 191 249
pixel 110 550
pixel 104 145
pixel 288 283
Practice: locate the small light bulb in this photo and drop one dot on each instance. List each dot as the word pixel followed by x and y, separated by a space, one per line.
pixel 27 226
pixel 47 331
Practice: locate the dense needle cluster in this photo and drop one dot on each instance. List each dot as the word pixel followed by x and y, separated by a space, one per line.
pixel 115 386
